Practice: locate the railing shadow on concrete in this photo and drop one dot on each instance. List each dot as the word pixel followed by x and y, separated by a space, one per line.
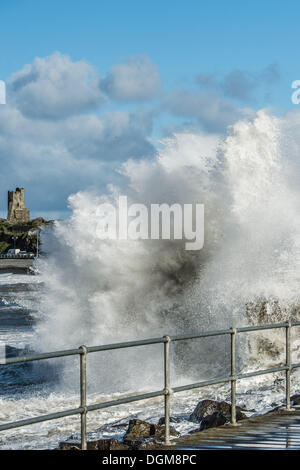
pixel 167 391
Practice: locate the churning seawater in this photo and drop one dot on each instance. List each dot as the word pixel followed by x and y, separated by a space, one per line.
pixel 91 291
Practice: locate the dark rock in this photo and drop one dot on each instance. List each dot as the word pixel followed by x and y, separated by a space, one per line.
pixel 100 444
pixel 107 444
pixel 138 430
pixel 139 435
pixel 38 221
pixel 173 419
pixel 142 444
pixel 69 446
pixel 213 420
pixel 296 399
pixel 211 413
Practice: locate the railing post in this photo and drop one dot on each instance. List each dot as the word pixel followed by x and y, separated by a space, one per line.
pixel 288 364
pixel 167 388
pixel 233 379
pixel 83 396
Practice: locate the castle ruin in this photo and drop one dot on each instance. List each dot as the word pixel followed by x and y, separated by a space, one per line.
pixel 17 212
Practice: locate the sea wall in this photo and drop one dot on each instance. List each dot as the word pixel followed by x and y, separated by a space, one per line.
pixel 15 265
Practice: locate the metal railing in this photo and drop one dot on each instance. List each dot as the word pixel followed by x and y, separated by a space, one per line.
pixel 167 391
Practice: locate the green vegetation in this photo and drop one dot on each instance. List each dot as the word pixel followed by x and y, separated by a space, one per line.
pixel 3 247
pixel 25 241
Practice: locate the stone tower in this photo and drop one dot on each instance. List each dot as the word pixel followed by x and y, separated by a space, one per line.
pixel 17 211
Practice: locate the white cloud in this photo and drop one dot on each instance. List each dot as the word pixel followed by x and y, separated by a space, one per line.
pixel 55 87
pixel 241 84
pixel 137 79
pixel 53 147
pixel 212 112
pixel 49 143
pixel 53 159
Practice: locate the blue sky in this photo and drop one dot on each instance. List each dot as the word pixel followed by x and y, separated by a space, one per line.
pixel 181 37
pixel 240 55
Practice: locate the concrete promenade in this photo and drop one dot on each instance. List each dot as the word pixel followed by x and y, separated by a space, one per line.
pixel 277 430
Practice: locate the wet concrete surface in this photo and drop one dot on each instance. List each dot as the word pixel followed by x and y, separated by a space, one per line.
pixel 275 430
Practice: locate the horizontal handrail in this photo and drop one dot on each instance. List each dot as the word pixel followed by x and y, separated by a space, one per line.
pixel 205 334
pixel 205 383
pixel 122 401
pixel 144 342
pixel 39 357
pixel 74 411
pixel 82 351
pixel 128 344
pixel 267 327
pixel 41 418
